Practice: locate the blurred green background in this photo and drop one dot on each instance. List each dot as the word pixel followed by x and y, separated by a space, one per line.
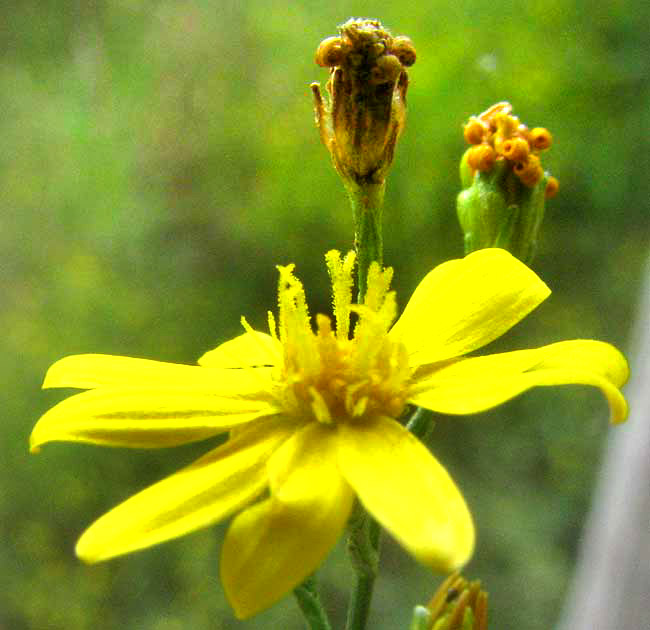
pixel 159 158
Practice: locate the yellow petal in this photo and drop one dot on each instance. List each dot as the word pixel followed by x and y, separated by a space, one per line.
pixel 87 371
pixel 464 304
pixel 479 383
pixel 274 545
pixel 253 348
pixel 405 488
pixel 145 418
pixel 213 487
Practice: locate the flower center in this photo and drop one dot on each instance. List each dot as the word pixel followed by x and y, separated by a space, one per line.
pixel 326 375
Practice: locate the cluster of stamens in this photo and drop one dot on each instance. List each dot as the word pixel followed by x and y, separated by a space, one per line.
pixel 367 42
pixel 329 376
pixel 498 135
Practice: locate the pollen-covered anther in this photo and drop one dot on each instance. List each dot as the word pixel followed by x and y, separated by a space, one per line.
pixel 523 132
pixel 475 131
pixel 515 149
pixel 506 125
pixel 330 52
pixel 402 47
pixel 481 157
pixel 540 138
pixel 530 171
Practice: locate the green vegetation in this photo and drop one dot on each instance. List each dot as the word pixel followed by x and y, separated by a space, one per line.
pixel 157 159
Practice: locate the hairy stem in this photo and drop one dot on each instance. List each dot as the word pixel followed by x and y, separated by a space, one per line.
pixel 311 606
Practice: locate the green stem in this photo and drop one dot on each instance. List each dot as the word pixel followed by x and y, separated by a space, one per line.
pixel 311 606
pixel 367 200
pixel 363 544
pixel 421 423
pixel 363 548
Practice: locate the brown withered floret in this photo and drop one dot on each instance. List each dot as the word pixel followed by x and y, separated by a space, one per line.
pixel 365 112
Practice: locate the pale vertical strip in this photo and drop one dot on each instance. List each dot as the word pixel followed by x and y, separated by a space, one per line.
pixel 611 586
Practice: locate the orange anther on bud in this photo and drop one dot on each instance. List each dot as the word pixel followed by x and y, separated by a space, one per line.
pixel 523 132
pixel 540 138
pixel 529 172
pixel 506 125
pixel 515 149
pixel 475 131
pixel 552 186
pixel 504 184
pixel 481 157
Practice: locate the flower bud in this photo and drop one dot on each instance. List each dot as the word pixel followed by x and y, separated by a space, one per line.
pixel 504 184
pixel 364 116
pixel 456 605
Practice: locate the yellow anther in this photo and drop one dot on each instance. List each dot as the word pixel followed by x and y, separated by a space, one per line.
pixel 515 149
pixel 475 131
pixel 540 138
pixel 529 172
pixel 506 125
pixel 481 158
pixel 523 132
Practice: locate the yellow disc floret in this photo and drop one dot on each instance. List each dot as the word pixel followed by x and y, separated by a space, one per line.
pixel 328 375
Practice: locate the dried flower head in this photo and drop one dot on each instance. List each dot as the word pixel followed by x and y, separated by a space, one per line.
pixel 365 114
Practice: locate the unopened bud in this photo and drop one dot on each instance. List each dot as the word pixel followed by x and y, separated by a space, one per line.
pixel 364 116
pixel 456 605
pixel 504 184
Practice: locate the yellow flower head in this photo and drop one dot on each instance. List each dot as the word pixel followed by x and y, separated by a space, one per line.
pixel 313 420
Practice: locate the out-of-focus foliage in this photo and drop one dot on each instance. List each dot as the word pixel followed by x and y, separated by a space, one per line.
pixel 157 159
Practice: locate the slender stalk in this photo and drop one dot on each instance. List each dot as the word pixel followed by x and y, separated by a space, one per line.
pixel 367 201
pixel 309 602
pixel 363 548
pixel 365 538
pixel 365 534
pixel 421 423
pixel 360 604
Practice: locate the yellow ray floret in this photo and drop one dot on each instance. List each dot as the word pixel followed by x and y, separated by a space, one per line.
pixel 313 411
